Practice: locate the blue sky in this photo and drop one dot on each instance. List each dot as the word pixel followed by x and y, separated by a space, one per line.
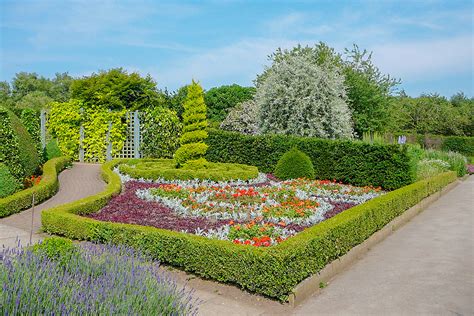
pixel 428 44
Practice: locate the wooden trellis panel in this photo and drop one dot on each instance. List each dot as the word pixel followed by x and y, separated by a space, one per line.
pixel 131 145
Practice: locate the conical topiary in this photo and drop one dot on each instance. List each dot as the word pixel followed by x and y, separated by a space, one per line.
pixel 294 164
pixel 194 130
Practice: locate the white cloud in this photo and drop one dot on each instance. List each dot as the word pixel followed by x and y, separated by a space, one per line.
pixel 424 59
pixel 286 22
pixel 238 62
pixel 241 61
pixel 52 23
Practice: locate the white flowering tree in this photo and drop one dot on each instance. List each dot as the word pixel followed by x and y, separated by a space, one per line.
pixel 243 118
pixel 299 97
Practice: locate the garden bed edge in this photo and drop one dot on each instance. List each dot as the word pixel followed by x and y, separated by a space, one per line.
pixel 47 187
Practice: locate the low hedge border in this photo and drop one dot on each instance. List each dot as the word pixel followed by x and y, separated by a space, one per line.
pixel 273 271
pixel 152 169
pixel 47 187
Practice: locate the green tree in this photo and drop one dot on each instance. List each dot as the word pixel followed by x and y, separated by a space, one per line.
pixel 368 91
pixel 299 97
pixel 194 130
pixel 116 89
pixel 465 108
pixel 24 83
pixel 175 100
pixel 6 99
pixel 220 100
pixel 319 54
pixel 35 100
pixel 427 114
pixel 243 118
pixel 60 88
pixel 36 88
pixel 5 91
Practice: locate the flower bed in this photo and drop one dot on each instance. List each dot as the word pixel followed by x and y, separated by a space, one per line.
pixel 271 271
pixel 261 212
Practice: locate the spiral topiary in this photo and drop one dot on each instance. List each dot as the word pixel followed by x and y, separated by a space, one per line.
pixel 194 131
pixel 294 164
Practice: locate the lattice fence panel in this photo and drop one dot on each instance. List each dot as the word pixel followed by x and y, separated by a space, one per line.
pixel 131 145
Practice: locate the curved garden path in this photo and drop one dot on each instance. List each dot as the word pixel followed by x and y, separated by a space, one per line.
pixel 76 183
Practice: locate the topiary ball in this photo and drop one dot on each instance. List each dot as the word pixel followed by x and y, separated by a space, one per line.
pixel 294 164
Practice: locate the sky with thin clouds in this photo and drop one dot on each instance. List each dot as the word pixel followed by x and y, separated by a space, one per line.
pixel 427 44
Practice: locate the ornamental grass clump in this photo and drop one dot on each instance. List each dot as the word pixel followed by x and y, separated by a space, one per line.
pixel 294 164
pixel 194 130
pixel 94 280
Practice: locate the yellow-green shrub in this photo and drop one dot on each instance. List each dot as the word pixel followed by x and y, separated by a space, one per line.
pixel 195 122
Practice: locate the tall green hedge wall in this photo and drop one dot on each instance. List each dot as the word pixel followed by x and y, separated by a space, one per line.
pixel 351 162
pixel 461 144
pixel 17 148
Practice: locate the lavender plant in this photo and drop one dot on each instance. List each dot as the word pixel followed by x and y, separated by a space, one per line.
pixel 95 280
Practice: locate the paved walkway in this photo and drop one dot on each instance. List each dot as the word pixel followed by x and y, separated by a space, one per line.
pixel 424 268
pixel 76 183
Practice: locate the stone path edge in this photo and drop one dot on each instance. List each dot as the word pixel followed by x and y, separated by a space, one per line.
pixel 311 285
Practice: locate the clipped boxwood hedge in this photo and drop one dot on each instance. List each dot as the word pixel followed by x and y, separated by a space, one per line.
pixel 352 162
pixel 198 169
pixel 47 187
pixel 272 271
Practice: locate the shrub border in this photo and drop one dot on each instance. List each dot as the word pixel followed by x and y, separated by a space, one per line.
pixel 273 271
pixel 47 187
pixel 354 162
pixel 240 171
